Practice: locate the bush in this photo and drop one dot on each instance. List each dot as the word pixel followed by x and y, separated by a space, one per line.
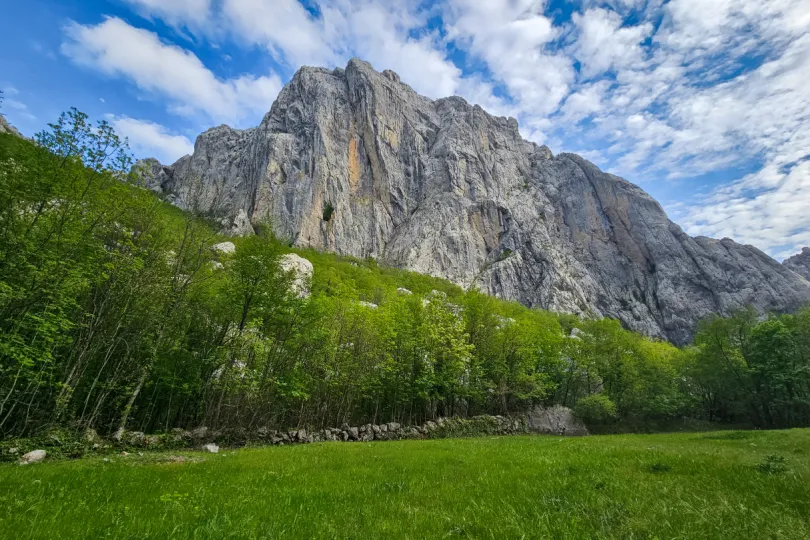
pixel 596 409
pixel 328 210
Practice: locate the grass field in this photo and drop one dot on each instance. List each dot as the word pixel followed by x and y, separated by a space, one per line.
pixel 736 485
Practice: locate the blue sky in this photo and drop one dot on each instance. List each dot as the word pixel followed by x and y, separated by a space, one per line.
pixel 704 103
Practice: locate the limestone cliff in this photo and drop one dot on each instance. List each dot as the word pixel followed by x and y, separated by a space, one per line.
pixel 800 263
pixel 354 161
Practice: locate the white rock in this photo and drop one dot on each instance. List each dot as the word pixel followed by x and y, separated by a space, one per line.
pixel 367 304
pixel 403 291
pixel 238 226
pixel 227 248
pixel 211 448
pixel 35 456
pixel 302 269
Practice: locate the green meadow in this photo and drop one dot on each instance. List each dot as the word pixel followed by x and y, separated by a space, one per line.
pixel 732 484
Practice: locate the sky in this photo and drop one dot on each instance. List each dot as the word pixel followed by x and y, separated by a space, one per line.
pixel 703 103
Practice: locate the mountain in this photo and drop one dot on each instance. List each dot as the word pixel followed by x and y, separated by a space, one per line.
pixel 354 161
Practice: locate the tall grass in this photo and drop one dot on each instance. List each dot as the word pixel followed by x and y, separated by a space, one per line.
pixel 621 486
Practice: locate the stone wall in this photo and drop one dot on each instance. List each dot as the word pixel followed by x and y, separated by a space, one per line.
pixel 63 443
pixel 552 421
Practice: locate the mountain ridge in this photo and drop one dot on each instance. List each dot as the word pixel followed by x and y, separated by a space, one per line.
pixel 444 188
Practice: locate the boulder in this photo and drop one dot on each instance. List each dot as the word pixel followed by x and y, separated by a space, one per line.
pixel 556 420
pixel 91 436
pixel 35 456
pixel 135 438
pixel 211 448
pixel 576 333
pixel 366 433
pixel 302 272
pixel 239 225
pixel 226 248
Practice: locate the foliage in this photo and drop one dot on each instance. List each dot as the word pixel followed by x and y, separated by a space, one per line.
pixel 596 409
pixel 743 368
pixel 328 210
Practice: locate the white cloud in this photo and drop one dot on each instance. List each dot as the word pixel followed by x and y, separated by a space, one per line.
pixel 379 33
pixel 115 48
pixel 175 11
pixel 770 215
pixel 283 26
pixel 585 101
pixel 512 38
pixel 604 43
pixel 148 139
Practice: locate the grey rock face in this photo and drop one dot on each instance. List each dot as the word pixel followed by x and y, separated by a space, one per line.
pixel 354 161
pixel 555 420
pixel 6 127
pixel 800 263
pixel 238 225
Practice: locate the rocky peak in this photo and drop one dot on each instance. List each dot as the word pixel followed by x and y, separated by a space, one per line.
pixel 6 127
pixel 800 263
pixel 356 162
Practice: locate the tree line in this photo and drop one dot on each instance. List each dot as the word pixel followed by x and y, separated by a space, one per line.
pixel 116 313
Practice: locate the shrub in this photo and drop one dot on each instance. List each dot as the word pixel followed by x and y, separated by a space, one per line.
pixel 328 210
pixel 596 409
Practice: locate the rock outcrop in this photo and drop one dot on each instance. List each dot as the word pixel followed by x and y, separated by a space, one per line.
pixel 34 456
pixel 557 420
pixel 6 127
pixel 302 272
pixel 354 161
pixel 800 263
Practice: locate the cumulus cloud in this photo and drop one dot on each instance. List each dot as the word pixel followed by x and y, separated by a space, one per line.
pixel 287 29
pixel 151 139
pixel 115 48
pixel 604 43
pixel 512 37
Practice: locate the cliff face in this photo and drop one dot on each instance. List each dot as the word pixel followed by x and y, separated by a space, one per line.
pixel 6 127
pixel 354 161
pixel 800 263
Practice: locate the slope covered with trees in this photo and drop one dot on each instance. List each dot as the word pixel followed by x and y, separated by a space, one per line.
pixel 115 312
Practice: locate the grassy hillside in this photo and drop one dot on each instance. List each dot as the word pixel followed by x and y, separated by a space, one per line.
pixel 717 485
